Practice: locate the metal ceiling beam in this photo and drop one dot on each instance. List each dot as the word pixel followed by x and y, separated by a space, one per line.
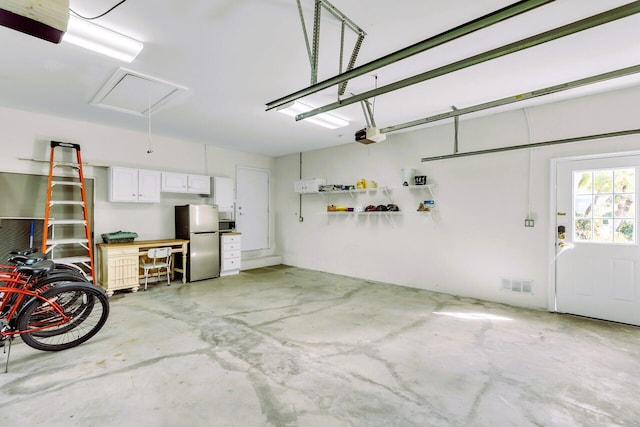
pixel 316 43
pixel 341 17
pixel 437 40
pixel 565 30
pixel 517 98
pixel 534 145
pixel 313 51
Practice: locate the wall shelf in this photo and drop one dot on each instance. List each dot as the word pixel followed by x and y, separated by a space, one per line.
pixel 372 213
pixel 387 191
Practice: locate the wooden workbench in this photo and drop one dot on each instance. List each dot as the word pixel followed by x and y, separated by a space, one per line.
pixel 119 263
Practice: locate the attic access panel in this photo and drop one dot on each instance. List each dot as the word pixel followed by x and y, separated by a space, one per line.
pixel 136 93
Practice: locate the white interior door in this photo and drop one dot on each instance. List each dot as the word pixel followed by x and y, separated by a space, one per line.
pixel 252 207
pixel 597 257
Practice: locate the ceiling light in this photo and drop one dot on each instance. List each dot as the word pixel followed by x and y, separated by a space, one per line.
pixel 325 120
pixel 102 40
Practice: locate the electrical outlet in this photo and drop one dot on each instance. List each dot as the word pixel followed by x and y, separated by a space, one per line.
pixel 528 222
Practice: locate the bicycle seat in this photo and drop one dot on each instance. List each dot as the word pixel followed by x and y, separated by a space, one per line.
pixel 23 251
pixel 37 269
pixel 26 259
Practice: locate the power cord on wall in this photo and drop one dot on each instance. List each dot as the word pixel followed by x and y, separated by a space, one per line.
pixel 300 217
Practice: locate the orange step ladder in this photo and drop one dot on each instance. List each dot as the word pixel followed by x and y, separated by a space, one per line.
pixel 67 212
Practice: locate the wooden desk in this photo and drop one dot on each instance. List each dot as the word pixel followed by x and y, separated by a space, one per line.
pixel 120 262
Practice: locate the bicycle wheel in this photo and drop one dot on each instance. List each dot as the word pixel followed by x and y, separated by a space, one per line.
pixel 77 305
pixel 86 306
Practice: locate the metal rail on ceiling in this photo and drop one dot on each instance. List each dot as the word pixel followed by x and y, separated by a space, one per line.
pixel 533 145
pixel 429 43
pixel 565 30
pixel 517 98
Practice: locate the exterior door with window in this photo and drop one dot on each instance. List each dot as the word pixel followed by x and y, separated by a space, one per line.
pixel 597 251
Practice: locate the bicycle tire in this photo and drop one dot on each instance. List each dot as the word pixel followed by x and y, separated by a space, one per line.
pixel 55 278
pixel 63 274
pixel 86 304
pixel 72 268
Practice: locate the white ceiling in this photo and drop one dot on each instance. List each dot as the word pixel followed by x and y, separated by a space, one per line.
pixel 234 56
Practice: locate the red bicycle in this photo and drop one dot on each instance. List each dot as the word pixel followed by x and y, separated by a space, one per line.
pixel 50 315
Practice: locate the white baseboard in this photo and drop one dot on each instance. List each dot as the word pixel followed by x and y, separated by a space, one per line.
pixel 266 261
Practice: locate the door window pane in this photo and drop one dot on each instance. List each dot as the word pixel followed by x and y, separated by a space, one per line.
pixel 582 206
pixel 625 206
pixel 624 231
pixel 625 181
pixel 604 208
pixel 603 230
pixel 583 229
pixel 582 182
pixel 603 181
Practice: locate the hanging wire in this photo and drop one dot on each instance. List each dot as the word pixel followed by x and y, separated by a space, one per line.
pixel 149 147
pixel 96 17
pixel 375 76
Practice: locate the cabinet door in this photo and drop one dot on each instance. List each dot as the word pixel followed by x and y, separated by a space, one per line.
pixel 223 193
pixel 123 184
pixel 174 182
pixel 148 186
pixel 199 184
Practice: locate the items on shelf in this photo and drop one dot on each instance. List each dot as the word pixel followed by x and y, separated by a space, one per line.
pixel 363 184
pixel 408 175
pixel 426 206
pixel 370 190
pixel 334 208
pixel 391 207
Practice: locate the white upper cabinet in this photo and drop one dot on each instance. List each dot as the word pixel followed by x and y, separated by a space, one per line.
pixel 148 186
pixel 134 185
pixel 199 184
pixel 184 183
pixel 223 193
pixel 174 182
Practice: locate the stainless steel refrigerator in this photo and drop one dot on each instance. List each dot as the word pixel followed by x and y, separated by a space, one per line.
pixel 199 225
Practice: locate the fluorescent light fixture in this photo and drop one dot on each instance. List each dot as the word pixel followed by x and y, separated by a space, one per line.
pixel 102 40
pixel 325 119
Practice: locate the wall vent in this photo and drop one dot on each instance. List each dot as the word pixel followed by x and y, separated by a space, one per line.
pixel 522 286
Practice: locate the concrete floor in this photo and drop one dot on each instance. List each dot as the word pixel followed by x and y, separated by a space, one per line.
pixel 285 346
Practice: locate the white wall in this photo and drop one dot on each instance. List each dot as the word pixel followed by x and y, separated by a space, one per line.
pixel 27 135
pixel 478 234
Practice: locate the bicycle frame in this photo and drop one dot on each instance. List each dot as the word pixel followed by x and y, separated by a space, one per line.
pixel 7 292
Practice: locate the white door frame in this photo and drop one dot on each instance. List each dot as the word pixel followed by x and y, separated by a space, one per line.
pixel 553 210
